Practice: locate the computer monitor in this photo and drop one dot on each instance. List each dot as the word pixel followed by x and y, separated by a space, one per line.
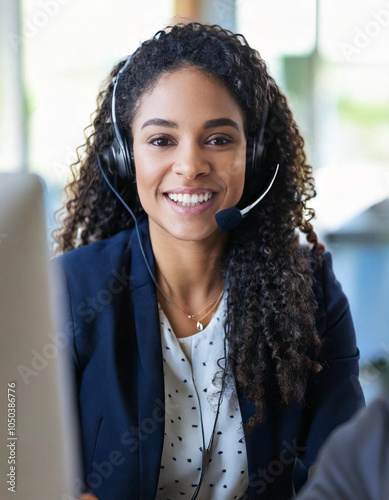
pixel 39 452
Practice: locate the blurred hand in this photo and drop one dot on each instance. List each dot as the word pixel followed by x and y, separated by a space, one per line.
pixel 87 496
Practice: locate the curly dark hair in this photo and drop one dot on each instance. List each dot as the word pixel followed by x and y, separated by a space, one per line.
pixel 270 324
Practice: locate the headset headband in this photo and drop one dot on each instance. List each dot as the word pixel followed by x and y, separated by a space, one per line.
pixel 114 122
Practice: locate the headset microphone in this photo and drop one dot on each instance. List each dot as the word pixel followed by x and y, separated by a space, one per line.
pixel 230 218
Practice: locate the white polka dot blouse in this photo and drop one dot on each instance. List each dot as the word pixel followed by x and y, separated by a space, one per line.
pixel 192 397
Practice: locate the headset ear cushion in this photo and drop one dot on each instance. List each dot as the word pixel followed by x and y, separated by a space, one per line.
pixel 119 168
pixel 130 165
pixel 255 173
pixel 108 160
pixel 117 163
pixel 255 152
pixel 258 160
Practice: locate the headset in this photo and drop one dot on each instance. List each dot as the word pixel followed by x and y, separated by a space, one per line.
pixel 118 158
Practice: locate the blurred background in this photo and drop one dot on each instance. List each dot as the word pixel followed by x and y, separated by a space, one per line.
pixel 330 58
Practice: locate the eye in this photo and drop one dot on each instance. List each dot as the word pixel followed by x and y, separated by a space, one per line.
pixel 160 141
pixel 219 141
pixel 163 141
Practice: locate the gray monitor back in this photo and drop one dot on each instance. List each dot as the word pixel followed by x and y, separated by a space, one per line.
pixel 39 455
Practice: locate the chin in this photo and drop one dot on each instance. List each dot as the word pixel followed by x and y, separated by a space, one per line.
pixel 186 231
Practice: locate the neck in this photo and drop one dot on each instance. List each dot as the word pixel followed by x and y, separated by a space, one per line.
pixel 187 270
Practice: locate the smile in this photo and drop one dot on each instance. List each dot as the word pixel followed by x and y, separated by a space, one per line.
pixel 188 200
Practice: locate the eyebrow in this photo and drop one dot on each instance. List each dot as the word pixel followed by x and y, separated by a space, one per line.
pixel 217 122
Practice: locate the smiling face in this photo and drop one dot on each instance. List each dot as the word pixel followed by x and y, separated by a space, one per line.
pixel 189 152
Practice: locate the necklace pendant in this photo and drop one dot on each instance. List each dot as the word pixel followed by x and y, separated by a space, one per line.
pixel 200 326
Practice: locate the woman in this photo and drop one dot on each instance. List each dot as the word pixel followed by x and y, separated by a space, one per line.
pixel 207 363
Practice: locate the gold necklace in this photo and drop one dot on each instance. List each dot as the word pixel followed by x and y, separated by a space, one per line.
pixel 199 323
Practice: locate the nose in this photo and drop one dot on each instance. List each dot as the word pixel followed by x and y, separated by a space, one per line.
pixel 190 161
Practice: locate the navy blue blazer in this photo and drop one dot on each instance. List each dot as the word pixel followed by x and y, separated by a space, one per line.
pixel 110 318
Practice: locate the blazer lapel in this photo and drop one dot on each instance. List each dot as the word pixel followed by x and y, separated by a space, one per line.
pixel 150 384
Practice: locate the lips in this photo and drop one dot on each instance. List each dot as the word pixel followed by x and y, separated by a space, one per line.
pixel 190 200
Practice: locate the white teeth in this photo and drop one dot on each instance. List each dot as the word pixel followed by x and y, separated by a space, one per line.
pixel 187 200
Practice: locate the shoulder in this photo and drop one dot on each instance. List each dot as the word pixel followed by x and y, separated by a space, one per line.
pixel 331 299
pixel 86 280
pixel 91 267
pixel 334 322
pixel 103 251
pixel 84 270
pixel 324 276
